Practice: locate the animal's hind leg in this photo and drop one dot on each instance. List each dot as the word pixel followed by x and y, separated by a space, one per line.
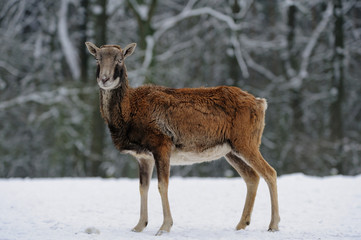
pixel 254 159
pixel 252 179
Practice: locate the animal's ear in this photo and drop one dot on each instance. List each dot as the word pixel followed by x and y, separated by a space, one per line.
pixel 92 48
pixel 129 49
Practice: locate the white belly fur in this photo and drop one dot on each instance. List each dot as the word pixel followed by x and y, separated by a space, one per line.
pixel 179 157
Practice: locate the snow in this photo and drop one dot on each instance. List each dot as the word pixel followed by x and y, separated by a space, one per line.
pixel 149 52
pixel 310 208
pixel 143 11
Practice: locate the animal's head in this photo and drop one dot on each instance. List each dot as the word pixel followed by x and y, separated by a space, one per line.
pixel 110 63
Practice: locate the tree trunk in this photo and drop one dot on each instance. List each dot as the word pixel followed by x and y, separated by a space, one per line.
pixel 234 69
pixel 98 127
pixel 144 22
pixel 336 123
pixel 83 53
pixel 293 67
pixel 291 24
pixel 145 29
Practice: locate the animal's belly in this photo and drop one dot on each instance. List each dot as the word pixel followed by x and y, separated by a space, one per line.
pixel 179 157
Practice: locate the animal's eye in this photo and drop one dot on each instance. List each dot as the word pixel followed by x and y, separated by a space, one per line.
pixel 119 60
pixel 97 60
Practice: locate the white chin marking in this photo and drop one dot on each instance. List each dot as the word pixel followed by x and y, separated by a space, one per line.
pixel 111 84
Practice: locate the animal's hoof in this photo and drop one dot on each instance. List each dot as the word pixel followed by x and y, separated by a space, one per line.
pixel 165 228
pixel 161 232
pixel 273 229
pixel 242 225
pixel 273 226
pixel 139 227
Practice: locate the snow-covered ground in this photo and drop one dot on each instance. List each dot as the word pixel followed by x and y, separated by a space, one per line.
pixel 310 208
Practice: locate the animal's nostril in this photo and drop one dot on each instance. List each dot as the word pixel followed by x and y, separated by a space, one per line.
pixel 105 79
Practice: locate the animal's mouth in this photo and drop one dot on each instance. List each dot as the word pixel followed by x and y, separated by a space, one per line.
pixel 110 84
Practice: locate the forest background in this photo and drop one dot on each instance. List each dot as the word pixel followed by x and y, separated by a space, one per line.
pixel 304 56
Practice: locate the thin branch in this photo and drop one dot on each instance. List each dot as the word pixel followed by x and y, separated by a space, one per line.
pixel 142 12
pixel 260 69
pixel 13 71
pixel 190 5
pixel 238 54
pixel 169 53
pixel 151 9
pixel 246 5
pixel 296 82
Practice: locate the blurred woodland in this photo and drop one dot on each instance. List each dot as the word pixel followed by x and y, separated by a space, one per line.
pixel 304 56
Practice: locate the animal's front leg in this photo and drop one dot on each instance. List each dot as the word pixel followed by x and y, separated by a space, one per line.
pixel 163 171
pixel 145 174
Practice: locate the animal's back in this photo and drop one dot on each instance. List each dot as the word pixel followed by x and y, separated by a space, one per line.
pixel 195 119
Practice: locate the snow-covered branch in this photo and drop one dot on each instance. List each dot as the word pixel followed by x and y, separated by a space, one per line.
pixel 169 53
pixel 140 10
pixel 70 52
pixel 296 82
pixel 238 54
pixel 148 52
pixel 260 69
pixel 168 23
pixel 188 12
pixel 46 97
pixel 13 71
pixel 262 44
pixel 245 6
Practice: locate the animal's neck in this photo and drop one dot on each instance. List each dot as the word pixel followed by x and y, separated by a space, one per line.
pixel 114 100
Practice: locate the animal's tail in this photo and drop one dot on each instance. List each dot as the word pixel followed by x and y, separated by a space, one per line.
pixel 262 106
pixel 263 103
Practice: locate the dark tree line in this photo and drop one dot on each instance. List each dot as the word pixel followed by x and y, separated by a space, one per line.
pixel 303 56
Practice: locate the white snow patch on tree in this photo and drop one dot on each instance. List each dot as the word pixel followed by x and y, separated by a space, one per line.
pixel 70 52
